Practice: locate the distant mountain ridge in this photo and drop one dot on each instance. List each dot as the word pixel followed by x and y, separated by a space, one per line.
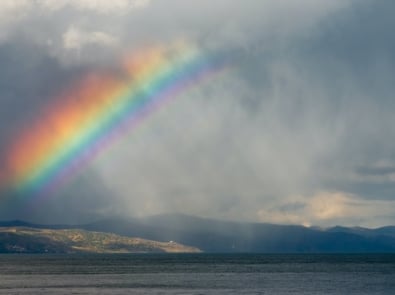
pixel 212 235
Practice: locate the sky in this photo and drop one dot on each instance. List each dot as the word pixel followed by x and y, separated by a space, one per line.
pixel 298 129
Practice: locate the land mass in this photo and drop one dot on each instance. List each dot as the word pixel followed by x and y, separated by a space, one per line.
pixel 210 235
pixel 38 240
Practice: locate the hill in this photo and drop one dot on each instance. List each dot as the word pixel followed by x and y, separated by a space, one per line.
pixel 21 239
pixel 210 235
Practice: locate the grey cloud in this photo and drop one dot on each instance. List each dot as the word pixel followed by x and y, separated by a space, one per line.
pixel 368 170
pixel 76 203
pixel 307 107
pixel 28 79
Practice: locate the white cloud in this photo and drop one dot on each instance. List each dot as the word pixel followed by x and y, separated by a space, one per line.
pixel 329 209
pixel 98 6
pixel 75 38
pixel 11 13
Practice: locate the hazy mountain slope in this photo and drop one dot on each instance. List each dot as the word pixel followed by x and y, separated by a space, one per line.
pixel 212 235
pixel 222 236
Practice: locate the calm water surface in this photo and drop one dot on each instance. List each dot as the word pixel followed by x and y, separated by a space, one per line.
pixel 198 274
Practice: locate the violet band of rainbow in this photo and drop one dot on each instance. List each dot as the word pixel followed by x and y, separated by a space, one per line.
pixel 120 106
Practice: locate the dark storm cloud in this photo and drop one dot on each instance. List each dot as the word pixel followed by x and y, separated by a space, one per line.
pixel 80 203
pixel 373 171
pixel 29 79
pixel 352 59
pixel 305 116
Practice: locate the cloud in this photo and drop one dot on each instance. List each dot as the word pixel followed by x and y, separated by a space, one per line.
pixel 79 203
pixel 378 170
pixel 330 209
pixel 99 6
pixel 11 13
pixel 307 109
pixel 20 7
pixel 74 38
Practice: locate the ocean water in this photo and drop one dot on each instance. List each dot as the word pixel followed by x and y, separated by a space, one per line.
pixel 198 274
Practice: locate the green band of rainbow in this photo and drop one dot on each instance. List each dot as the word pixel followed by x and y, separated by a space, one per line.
pixel 96 115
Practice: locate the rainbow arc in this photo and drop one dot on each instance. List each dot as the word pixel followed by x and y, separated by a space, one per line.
pixel 83 121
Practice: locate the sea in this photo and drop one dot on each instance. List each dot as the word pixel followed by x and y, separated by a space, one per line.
pixel 197 274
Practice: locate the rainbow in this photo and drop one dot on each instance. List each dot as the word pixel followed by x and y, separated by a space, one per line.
pixel 83 121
